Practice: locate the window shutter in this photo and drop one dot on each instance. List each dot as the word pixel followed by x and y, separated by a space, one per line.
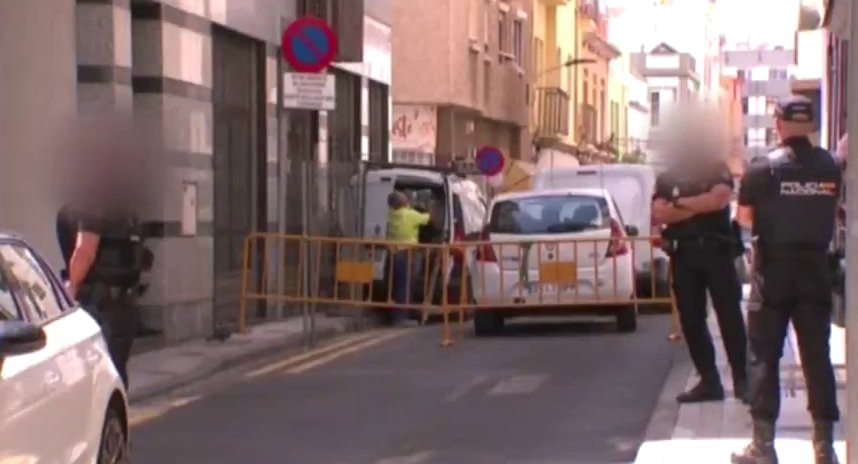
pixel 347 21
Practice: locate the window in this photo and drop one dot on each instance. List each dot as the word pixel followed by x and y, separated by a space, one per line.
pixel 518 42
pixel 36 291
pixel 474 19
pixel 744 105
pixel 615 118
pixel 654 106
pixel 771 137
pixel 8 307
pixel 486 22
pixel 502 36
pixel 777 74
pixel 550 214
pixel 741 74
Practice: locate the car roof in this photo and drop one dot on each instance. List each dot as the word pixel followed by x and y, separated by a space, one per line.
pixel 435 176
pixel 593 192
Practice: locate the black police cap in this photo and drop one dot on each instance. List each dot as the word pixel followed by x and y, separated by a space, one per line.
pixel 795 108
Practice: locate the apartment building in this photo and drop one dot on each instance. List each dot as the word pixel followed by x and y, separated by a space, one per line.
pixel 637 112
pixel 837 23
pixel 555 47
pixel 766 76
pixel 671 78
pixel 593 116
pixel 461 72
pixel 733 123
pixel 210 75
pixel 686 25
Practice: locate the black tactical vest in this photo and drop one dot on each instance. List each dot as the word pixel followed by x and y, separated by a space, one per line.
pixel 805 187
pixel 122 256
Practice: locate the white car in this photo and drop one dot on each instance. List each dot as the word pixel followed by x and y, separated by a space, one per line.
pixel 61 398
pixel 579 233
pixel 632 187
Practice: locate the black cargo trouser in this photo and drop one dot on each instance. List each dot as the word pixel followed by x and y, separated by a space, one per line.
pixel 708 265
pixel 791 285
pixel 114 309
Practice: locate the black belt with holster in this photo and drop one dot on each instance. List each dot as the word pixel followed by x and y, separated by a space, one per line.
pixel 671 247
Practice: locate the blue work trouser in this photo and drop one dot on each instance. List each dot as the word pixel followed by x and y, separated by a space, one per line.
pixel 403 281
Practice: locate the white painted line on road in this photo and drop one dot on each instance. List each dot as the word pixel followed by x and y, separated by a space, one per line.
pixel 292 360
pixel 518 385
pixel 463 390
pixel 422 456
pixel 348 350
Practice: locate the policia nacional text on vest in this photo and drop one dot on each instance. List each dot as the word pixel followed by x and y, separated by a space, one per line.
pixel 793 194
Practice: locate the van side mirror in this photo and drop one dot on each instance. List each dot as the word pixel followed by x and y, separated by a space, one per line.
pixel 20 337
pixel 632 231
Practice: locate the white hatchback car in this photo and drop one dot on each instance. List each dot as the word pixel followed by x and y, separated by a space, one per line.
pixel 62 399
pixel 575 232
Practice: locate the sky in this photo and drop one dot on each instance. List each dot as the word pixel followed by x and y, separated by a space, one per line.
pixel 742 20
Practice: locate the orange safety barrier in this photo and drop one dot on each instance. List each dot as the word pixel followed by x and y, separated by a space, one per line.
pixel 492 280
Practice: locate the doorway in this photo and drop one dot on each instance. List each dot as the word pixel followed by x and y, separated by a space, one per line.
pixel 238 99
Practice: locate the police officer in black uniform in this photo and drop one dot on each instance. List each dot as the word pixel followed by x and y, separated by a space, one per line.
pixel 103 272
pixel 692 200
pixel 789 199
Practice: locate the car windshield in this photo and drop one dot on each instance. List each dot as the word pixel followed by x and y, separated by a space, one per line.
pixel 549 214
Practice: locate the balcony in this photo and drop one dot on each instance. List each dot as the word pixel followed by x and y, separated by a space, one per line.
pixel 552 113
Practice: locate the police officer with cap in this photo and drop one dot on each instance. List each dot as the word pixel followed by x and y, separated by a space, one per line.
pixel 788 200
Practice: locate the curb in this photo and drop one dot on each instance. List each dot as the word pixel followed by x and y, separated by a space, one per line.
pixel 665 413
pixel 230 361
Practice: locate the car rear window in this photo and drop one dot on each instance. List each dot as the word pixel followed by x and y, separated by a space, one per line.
pixel 549 214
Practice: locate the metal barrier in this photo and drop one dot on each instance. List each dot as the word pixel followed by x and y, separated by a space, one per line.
pixel 491 279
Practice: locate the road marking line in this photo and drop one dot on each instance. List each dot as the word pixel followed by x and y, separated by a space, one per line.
pixel 348 350
pixel 292 360
pixel 518 385
pixel 157 411
pixel 463 390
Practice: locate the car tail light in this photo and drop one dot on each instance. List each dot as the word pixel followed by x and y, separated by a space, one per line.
pixel 485 251
pixel 618 245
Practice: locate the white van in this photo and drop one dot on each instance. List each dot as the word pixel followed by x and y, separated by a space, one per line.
pixel 464 212
pixel 632 187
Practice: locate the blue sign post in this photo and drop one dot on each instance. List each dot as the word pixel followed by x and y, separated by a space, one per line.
pixel 490 161
pixel 309 45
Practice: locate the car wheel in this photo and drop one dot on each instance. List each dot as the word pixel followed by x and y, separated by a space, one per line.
pixel 114 440
pixel 627 319
pixel 487 323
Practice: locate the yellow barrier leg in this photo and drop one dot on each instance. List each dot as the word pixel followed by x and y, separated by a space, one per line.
pixel 448 336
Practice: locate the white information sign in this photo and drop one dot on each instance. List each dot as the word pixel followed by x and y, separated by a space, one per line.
pixel 309 91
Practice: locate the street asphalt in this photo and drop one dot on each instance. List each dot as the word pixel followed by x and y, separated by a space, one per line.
pixel 542 393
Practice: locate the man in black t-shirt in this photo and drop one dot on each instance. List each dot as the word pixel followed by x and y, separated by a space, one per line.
pixel 692 202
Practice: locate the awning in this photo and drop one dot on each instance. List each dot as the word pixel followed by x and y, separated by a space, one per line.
pixel 517 177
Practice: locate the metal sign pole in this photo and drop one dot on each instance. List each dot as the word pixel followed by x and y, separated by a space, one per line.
pixel 282 163
pixel 852 245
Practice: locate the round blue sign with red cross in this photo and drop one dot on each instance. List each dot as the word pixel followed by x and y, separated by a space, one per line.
pixel 490 161
pixel 309 44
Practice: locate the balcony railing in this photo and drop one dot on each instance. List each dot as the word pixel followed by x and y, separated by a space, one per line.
pixel 552 112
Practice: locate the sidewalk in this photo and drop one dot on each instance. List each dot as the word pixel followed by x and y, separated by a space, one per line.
pixel 709 432
pixel 156 372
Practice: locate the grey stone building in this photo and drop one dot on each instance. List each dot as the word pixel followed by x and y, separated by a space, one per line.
pixel 207 70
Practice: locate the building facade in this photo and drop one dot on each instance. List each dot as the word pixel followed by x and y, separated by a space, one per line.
pixel 734 127
pixel 766 74
pixel 593 117
pixel 462 78
pixel 637 112
pixel 553 115
pixel 671 78
pixel 834 88
pixel 210 77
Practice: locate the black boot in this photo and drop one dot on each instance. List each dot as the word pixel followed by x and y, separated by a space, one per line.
pixel 704 391
pixel 761 450
pixel 823 443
